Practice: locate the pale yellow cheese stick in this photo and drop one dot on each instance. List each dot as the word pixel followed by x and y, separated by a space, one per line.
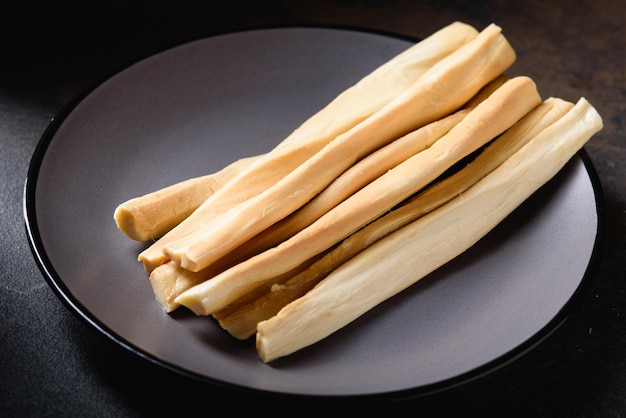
pixel 168 281
pixel 360 174
pixel 241 322
pixel 151 215
pixel 349 108
pixel 496 114
pixel 406 256
pixel 442 89
pixel 383 84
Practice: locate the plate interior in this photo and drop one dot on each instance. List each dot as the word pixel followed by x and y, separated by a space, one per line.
pixel 192 110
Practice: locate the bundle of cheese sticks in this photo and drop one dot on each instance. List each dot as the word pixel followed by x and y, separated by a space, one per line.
pixel 398 175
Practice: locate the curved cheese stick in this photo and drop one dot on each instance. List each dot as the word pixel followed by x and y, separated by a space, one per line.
pixel 150 216
pixel 442 89
pixel 241 322
pixel 353 179
pixel 496 114
pixel 421 247
pixel 348 109
pixel 169 280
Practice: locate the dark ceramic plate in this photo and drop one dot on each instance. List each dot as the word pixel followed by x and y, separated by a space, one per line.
pixel 193 109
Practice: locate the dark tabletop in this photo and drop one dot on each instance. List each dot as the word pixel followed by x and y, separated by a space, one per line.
pixel 53 363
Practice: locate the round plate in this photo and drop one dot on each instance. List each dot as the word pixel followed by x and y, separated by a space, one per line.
pixel 193 109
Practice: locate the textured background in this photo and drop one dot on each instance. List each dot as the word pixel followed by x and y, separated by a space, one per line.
pixel 51 363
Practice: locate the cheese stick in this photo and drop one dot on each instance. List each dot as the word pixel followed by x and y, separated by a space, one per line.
pixel 353 179
pixel 348 109
pixel 509 103
pixel 406 256
pixel 241 322
pixel 444 88
pixel 151 215
pixel 169 280
pixel 384 83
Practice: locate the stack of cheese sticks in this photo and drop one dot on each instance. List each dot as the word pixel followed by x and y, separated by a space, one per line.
pixel 398 175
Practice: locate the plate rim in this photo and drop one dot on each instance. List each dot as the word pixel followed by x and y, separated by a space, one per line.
pixel 58 286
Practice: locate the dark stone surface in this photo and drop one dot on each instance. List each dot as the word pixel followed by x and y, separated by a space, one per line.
pixel 51 363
